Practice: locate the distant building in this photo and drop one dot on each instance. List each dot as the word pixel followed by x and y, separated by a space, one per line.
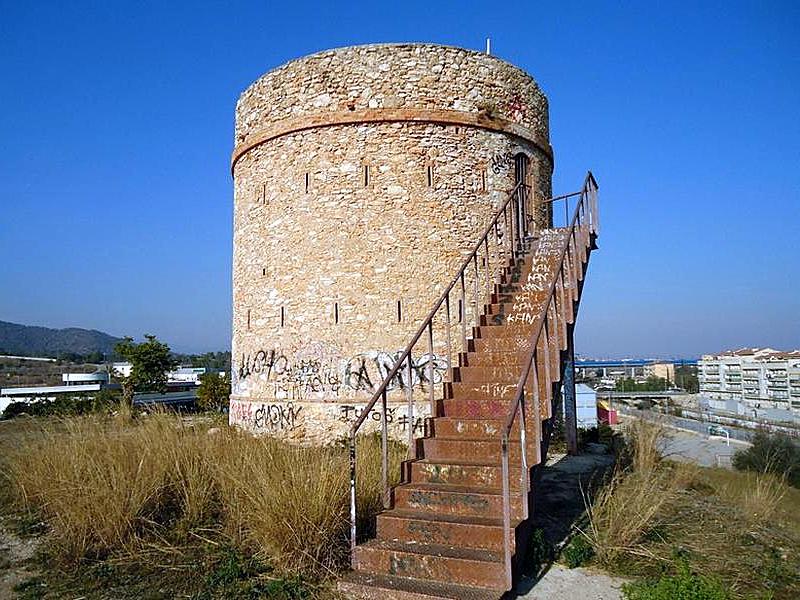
pixel 760 377
pixel 634 368
pixel 74 383
pixel 664 370
pixel 186 375
pixel 181 375
pixel 586 402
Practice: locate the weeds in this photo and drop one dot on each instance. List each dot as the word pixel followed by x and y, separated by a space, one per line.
pixel 578 552
pixel 683 586
pixel 725 534
pixel 112 487
pixel 771 453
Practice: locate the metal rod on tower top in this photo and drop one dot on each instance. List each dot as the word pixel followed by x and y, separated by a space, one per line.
pixel 488 45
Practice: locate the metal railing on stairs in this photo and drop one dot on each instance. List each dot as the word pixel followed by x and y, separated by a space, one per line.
pixel 502 242
pixel 558 309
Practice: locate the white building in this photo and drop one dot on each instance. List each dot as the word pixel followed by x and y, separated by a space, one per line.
pixel 179 375
pixel 759 377
pixel 586 404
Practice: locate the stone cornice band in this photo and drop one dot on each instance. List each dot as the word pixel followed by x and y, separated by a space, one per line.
pixel 388 115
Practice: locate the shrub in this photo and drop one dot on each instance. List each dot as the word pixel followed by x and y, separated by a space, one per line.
pixel 771 453
pixel 213 392
pixel 683 586
pixel 63 405
pixel 578 552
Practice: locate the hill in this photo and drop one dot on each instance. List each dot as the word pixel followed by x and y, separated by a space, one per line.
pixel 27 340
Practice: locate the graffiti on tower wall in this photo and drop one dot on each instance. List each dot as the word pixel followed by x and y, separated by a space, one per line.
pixel 316 375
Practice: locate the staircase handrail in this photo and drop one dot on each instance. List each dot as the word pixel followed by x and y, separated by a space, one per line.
pixel 584 217
pixel 514 241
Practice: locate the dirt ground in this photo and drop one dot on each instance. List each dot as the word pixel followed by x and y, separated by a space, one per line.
pixel 15 555
pixel 560 504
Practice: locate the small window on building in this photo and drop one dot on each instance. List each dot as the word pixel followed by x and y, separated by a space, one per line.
pixel 248 319
pixel 366 176
pixel 283 316
pixel 429 175
pixel 336 313
pixel 483 180
pixel 307 181
pixel 399 311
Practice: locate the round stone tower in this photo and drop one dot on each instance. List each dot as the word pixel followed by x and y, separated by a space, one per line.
pixel 362 178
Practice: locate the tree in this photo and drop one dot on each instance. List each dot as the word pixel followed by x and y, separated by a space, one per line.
pixel 213 391
pixel 150 362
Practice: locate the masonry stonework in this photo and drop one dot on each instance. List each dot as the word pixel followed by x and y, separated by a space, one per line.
pixel 362 178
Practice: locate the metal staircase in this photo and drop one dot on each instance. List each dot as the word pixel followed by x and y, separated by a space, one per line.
pixel 457 525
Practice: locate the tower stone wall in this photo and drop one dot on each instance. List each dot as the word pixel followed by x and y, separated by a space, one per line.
pixel 362 178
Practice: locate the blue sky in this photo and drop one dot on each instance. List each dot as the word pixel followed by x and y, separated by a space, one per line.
pixel 116 124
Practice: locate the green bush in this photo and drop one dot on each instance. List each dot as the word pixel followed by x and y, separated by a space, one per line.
pixel 771 453
pixel 63 406
pixel 683 586
pixel 213 392
pixel 578 552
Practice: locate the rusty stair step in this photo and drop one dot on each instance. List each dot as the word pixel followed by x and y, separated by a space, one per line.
pixel 500 392
pixel 359 585
pixel 499 373
pixel 453 500
pixel 483 408
pixel 447 564
pixel 440 448
pixel 469 428
pixel 486 474
pixel 451 530
pixel 494 344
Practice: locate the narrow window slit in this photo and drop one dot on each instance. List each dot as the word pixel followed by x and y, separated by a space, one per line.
pixel 283 316
pixel 399 311
pixel 336 313
pixel 308 181
pixel 460 310
pixel 429 175
pixel 483 180
pixel 248 319
pixel 366 175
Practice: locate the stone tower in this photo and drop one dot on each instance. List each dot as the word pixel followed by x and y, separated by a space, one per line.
pixel 362 177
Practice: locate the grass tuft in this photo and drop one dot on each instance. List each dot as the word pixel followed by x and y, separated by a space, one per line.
pixel 117 487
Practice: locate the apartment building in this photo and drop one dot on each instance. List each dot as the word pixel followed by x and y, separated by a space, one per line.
pixel 759 377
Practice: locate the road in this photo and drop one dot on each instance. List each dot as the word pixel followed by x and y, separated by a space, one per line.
pixel 688 440
pixel 688 446
pixel 743 435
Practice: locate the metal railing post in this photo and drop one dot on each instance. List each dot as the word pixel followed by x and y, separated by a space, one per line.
pixel 506 510
pixel 475 315
pixel 524 476
pixel 412 452
pixel 431 359
pixel 353 500
pixel 463 313
pixel 447 337
pixel 488 278
pixel 384 451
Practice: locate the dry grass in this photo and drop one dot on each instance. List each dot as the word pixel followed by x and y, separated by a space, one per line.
pixel 110 487
pixel 740 528
pixel 631 504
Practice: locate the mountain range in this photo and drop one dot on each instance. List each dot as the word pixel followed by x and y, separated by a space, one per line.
pixel 29 340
